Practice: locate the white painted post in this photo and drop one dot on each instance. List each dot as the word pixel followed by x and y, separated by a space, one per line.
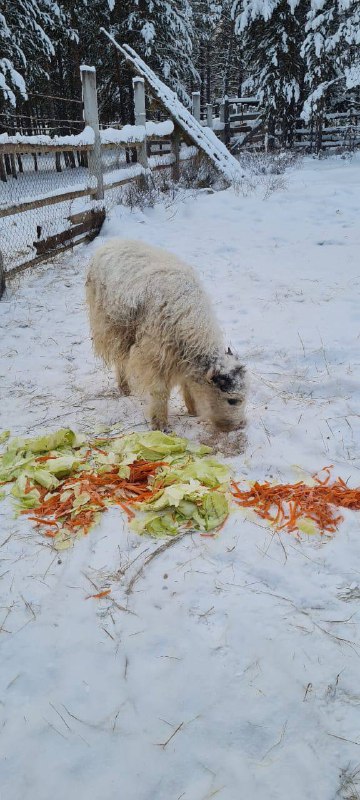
pixel 91 118
pixel 140 116
pixel 209 115
pixel 196 105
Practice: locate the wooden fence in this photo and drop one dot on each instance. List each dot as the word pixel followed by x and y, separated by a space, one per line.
pixel 239 121
pixel 149 146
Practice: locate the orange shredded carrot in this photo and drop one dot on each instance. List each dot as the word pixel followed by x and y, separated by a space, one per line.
pixel 130 514
pixel 108 486
pixel 283 505
pixel 98 596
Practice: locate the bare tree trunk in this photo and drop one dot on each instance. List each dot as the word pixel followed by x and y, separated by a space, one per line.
pixel 208 74
pixel 226 79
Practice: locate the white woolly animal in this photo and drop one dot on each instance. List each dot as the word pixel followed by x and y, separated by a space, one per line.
pixel 151 319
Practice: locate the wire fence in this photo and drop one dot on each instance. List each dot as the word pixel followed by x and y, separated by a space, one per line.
pixel 55 189
pixel 41 209
pixel 27 215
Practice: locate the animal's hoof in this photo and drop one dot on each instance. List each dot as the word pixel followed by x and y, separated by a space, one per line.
pixel 124 389
pixel 159 425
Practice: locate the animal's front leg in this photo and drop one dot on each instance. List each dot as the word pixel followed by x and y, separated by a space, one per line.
pixel 189 400
pixel 159 399
pixel 122 383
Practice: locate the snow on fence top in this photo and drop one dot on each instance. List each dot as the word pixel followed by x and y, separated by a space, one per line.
pixel 125 135
pixel 136 133
pixel 204 138
pixel 86 137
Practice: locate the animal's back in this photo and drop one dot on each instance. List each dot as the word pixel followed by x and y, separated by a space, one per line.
pixel 128 272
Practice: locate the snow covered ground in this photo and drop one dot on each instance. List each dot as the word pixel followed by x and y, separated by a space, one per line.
pixel 231 669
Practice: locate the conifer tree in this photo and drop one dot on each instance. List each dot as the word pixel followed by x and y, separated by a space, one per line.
pixel 271 32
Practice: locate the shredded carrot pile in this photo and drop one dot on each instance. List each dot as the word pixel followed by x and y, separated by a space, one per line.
pixel 283 505
pixel 58 510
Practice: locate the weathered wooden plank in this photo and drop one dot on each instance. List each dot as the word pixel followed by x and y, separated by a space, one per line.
pixel 22 149
pixel 82 216
pixel 93 223
pixel 243 117
pixel 28 205
pixel 34 262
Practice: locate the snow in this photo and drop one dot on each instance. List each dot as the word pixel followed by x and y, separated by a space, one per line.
pixel 245 647
pixel 217 124
pixel 160 129
pixel 352 76
pixel 136 133
pixel 86 137
pixel 123 174
pixel 127 134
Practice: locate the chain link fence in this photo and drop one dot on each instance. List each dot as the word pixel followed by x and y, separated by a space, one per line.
pixel 28 213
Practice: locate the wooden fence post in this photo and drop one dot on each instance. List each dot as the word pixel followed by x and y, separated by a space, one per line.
pixel 227 130
pixel 209 115
pixel 196 105
pixel 91 117
pixel 319 133
pixel 3 176
pixel 175 146
pixel 2 276
pixel 140 117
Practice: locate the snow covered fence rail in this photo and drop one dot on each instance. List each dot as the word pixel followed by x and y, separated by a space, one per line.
pixel 341 130
pixel 233 119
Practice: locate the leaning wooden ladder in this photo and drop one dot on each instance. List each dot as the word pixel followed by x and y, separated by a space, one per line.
pixel 203 137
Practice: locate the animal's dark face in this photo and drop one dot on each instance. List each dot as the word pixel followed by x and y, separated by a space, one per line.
pixel 227 378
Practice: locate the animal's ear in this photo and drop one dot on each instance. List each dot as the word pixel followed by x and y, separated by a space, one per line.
pixel 210 374
pixel 229 352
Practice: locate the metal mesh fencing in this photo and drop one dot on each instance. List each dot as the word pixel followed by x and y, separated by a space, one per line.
pixel 30 209
pixel 34 220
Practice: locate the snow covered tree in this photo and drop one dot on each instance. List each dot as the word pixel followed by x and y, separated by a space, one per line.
pixel 228 55
pixel 331 51
pixel 271 32
pixel 206 15
pixel 24 44
pixel 162 32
